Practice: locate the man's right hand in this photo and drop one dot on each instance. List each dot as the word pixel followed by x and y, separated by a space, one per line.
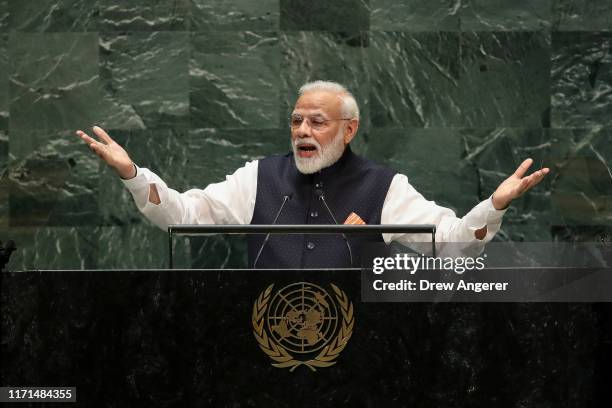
pixel 109 151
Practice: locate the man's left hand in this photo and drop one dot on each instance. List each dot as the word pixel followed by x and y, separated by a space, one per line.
pixel 516 185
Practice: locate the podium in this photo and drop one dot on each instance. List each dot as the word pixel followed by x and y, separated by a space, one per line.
pixel 183 338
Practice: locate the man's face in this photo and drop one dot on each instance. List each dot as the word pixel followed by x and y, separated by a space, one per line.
pixel 320 138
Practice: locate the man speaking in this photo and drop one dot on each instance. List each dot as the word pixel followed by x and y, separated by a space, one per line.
pixel 320 182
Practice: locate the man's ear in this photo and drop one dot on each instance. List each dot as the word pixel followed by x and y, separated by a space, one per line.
pixel 351 130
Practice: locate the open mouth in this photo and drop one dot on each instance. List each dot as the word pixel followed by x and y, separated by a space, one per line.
pixel 306 150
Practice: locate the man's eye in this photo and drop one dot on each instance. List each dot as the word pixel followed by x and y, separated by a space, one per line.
pixel 317 122
pixel 296 121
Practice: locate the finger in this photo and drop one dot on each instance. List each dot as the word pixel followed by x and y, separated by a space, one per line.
pixel 536 178
pixel 522 169
pixel 98 148
pixel 523 186
pixel 97 152
pixel 537 181
pixel 86 138
pixel 102 134
pixel 540 174
pixel 81 134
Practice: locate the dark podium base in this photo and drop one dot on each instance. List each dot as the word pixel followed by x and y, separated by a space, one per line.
pixel 185 339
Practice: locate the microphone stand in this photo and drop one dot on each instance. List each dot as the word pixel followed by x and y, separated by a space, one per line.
pixel 286 198
pixel 348 246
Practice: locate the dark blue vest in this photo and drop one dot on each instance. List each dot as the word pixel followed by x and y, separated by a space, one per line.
pixel 352 184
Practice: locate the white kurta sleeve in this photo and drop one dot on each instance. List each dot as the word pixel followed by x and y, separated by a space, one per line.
pixel 404 205
pixel 229 202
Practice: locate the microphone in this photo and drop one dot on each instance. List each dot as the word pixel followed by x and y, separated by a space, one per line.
pixel 319 193
pixel 286 198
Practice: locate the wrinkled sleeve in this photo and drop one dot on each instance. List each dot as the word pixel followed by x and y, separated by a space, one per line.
pixel 229 202
pixel 404 205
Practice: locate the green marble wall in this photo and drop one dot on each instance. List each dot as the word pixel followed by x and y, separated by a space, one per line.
pixel 453 93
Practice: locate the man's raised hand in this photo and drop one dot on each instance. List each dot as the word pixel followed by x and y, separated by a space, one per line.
pixel 515 185
pixel 108 150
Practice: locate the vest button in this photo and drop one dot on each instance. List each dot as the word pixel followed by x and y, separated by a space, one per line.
pixel 314 214
pixel 310 245
pixel 319 184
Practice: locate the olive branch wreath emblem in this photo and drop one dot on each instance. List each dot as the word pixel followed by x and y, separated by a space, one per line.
pixel 282 358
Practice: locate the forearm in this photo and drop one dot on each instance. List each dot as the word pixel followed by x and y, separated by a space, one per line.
pixel 147 189
pixel 478 226
pixel 404 205
pixel 229 202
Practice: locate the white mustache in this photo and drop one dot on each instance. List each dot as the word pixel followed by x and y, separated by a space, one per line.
pixel 310 141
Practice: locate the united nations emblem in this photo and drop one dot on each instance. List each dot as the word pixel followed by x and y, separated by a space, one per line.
pixel 302 324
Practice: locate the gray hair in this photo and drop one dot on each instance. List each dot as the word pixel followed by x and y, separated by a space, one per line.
pixel 350 110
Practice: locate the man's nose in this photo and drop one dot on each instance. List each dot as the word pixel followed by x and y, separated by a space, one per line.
pixel 304 130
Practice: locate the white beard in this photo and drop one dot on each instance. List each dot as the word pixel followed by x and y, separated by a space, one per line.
pixel 325 157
